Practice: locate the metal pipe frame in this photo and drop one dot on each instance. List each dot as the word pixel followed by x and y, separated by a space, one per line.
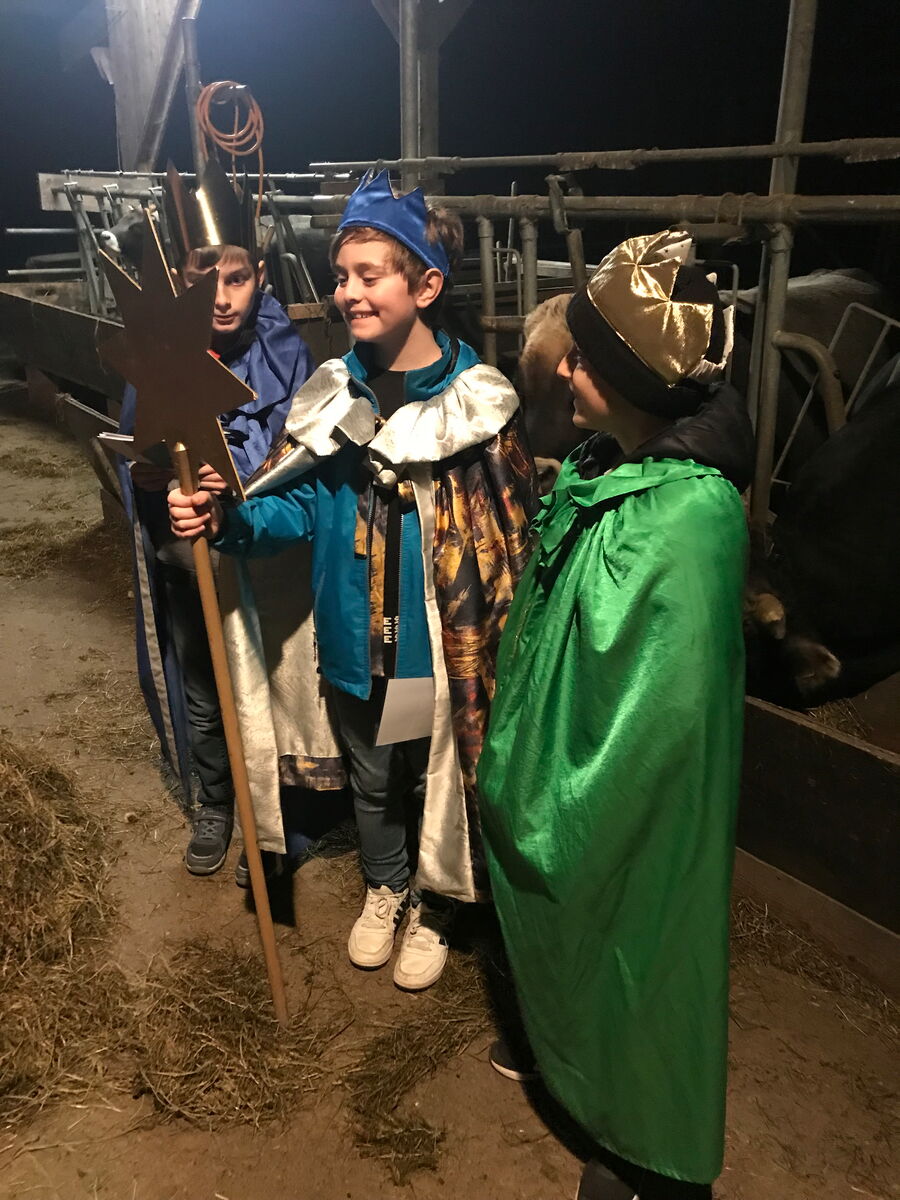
pixel 488 291
pixel 728 209
pixel 275 177
pixel 887 323
pixel 850 150
pixel 826 380
pixel 779 251
pixel 409 88
pixel 776 255
pixel 575 251
pixel 87 250
pixel 528 235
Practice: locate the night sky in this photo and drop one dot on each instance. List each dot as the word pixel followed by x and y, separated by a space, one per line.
pixel 517 76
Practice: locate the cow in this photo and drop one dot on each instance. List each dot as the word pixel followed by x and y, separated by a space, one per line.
pixel 125 239
pixel 822 605
pixel 546 400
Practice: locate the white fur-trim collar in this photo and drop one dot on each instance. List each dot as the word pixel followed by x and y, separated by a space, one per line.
pixel 328 411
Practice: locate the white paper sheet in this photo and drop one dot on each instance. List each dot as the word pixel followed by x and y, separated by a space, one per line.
pixel 408 711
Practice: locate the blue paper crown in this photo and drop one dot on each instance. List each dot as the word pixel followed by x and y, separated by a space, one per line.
pixel 405 218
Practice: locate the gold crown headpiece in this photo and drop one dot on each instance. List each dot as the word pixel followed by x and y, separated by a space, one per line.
pixel 632 289
pixel 215 213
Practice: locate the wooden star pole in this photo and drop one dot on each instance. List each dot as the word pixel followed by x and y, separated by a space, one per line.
pixel 181 390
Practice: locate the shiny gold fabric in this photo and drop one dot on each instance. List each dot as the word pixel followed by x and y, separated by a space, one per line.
pixel 483 505
pixel 632 290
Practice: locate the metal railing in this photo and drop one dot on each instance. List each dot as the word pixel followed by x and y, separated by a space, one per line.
pixel 770 219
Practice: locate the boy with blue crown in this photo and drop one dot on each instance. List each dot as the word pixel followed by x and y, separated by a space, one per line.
pixel 214 228
pixel 403 463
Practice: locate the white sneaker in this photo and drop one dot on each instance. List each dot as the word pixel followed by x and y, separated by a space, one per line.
pixel 372 936
pixel 424 949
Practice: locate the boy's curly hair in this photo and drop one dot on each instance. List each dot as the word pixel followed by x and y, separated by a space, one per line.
pixel 443 226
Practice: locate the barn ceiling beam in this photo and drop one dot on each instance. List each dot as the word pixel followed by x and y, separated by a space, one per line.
pixel 144 62
pixel 168 73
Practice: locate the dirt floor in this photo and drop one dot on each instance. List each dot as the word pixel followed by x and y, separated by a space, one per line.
pixel 813 1069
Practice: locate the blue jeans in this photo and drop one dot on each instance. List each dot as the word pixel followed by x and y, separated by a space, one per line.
pixel 388 785
pixel 184 616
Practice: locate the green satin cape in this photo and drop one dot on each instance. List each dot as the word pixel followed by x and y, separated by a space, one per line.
pixel 609 784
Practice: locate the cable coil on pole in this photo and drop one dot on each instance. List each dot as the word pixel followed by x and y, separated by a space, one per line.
pixel 244 140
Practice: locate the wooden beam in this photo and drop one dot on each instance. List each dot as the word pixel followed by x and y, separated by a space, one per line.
pixel 168 72
pixel 141 68
pixel 869 948
pixel 822 806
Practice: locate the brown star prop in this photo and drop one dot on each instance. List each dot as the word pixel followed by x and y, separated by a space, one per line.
pixel 164 352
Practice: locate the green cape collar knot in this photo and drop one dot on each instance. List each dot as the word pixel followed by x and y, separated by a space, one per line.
pixel 584 501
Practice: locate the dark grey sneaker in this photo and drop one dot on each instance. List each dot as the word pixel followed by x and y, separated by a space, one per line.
pixel 209 841
pixel 598 1183
pixel 512 1065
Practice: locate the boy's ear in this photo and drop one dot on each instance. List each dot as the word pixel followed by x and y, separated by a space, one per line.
pixel 429 288
pixel 260 273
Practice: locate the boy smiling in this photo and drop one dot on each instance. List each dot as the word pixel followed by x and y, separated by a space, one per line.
pixel 403 464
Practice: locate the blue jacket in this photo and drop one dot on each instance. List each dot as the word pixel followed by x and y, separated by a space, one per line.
pixel 322 507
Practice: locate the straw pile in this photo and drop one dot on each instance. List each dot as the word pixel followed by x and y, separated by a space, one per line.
pixel 64 1005
pixel 209 1048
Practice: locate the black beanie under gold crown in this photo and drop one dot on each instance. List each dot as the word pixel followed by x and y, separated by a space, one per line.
pixel 652 327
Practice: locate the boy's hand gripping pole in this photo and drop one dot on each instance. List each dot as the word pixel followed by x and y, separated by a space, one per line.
pixel 213 619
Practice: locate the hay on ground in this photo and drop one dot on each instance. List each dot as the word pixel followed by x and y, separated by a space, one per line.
pixel 759 938
pixel 209 1048
pixel 95 552
pixel 64 1006
pixel 29 462
pixel 109 720
pixel 29 549
pixel 339 850
pixel 450 1018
